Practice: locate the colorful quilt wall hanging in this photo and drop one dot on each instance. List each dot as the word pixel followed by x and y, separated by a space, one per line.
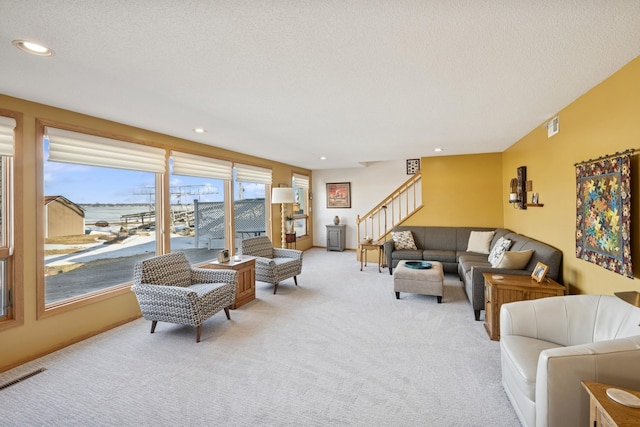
pixel 603 217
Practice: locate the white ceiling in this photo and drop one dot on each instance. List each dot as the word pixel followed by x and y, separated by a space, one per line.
pixel 293 80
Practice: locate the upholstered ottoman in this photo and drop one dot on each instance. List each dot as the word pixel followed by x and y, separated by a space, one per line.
pixel 419 281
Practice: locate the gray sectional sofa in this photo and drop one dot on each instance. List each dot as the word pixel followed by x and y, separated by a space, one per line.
pixel 449 246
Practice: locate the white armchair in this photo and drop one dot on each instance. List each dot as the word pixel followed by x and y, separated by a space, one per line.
pixel 548 346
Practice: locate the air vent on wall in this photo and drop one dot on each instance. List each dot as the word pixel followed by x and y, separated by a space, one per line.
pixel 553 126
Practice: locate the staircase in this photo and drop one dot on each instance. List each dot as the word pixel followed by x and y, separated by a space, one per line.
pixel 393 210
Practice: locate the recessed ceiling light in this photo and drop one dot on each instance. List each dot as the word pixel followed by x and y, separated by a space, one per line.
pixel 438 150
pixel 199 130
pixel 33 48
pixel 323 158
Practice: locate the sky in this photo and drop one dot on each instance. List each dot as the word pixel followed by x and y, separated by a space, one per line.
pixel 91 184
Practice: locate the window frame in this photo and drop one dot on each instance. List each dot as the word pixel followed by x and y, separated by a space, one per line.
pixel 13 226
pixel 44 310
pixel 307 200
pixel 198 158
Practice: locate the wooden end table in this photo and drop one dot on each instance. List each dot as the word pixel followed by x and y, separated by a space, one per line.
pixel 373 246
pixel 290 240
pixel 605 412
pixel 503 288
pixel 246 268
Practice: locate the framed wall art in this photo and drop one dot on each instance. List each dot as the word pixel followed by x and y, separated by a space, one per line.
pixel 339 195
pixel 413 166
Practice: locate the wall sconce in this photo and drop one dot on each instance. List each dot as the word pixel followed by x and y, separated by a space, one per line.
pixel 513 192
pixel 517 189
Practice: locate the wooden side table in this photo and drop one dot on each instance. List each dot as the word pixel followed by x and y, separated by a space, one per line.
pixel 605 412
pixel 510 288
pixel 246 268
pixel 290 239
pixel 373 246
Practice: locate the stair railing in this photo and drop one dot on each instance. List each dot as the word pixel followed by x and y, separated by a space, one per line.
pixel 391 211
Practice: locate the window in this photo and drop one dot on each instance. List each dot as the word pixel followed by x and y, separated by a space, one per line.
pixel 99 213
pixel 197 207
pixel 7 126
pixel 300 184
pixel 249 208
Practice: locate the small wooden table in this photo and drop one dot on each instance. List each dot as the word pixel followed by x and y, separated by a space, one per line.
pixel 246 268
pixel 373 246
pixel 510 288
pixel 605 412
pixel 290 240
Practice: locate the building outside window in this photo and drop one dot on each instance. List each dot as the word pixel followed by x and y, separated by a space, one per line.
pixel 100 212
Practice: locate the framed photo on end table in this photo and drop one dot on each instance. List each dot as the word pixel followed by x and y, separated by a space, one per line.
pixel 539 272
pixel 339 195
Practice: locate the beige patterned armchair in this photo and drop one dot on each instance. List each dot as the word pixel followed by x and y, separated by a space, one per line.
pixel 273 265
pixel 168 289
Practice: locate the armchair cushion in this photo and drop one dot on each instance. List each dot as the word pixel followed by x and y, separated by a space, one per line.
pixel 259 247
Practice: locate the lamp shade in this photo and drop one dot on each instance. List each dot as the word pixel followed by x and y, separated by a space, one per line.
pixel 282 195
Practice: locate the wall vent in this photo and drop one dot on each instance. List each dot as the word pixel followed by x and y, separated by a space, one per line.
pixel 553 126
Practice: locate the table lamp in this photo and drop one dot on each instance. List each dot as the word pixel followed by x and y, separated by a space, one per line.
pixel 282 195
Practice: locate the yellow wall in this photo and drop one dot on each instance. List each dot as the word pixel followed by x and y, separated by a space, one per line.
pixel 461 191
pixel 22 342
pixel 605 120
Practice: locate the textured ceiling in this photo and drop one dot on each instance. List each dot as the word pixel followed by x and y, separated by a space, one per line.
pixel 355 81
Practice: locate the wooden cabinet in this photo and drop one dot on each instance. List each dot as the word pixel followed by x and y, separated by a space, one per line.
pixel 336 237
pixel 501 289
pixel 246 268
pixel 605 412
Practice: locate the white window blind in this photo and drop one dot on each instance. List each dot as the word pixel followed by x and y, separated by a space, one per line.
pixel 7 125
pixel 246 173
pixel 200 166
pixel 301 181
pixel 80 148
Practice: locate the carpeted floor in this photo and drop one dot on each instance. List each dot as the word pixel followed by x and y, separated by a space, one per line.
pixel 339 350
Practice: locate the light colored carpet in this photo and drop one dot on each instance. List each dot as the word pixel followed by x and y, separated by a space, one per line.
pixel 339 350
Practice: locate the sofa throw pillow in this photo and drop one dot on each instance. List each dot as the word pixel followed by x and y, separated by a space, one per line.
pixel 514 260
pixel 480 241
pixel 403 240
pixel 496 252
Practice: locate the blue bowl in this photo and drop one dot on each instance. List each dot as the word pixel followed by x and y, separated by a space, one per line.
pixel 418 265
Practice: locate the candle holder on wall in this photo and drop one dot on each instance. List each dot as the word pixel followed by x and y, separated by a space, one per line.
pixel 522 191
pixel 517 189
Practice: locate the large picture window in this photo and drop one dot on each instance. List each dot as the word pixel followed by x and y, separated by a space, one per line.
pixel 7 126
pixel 100 212
pixel 300 184
pixel 197 207
pixel 249 208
